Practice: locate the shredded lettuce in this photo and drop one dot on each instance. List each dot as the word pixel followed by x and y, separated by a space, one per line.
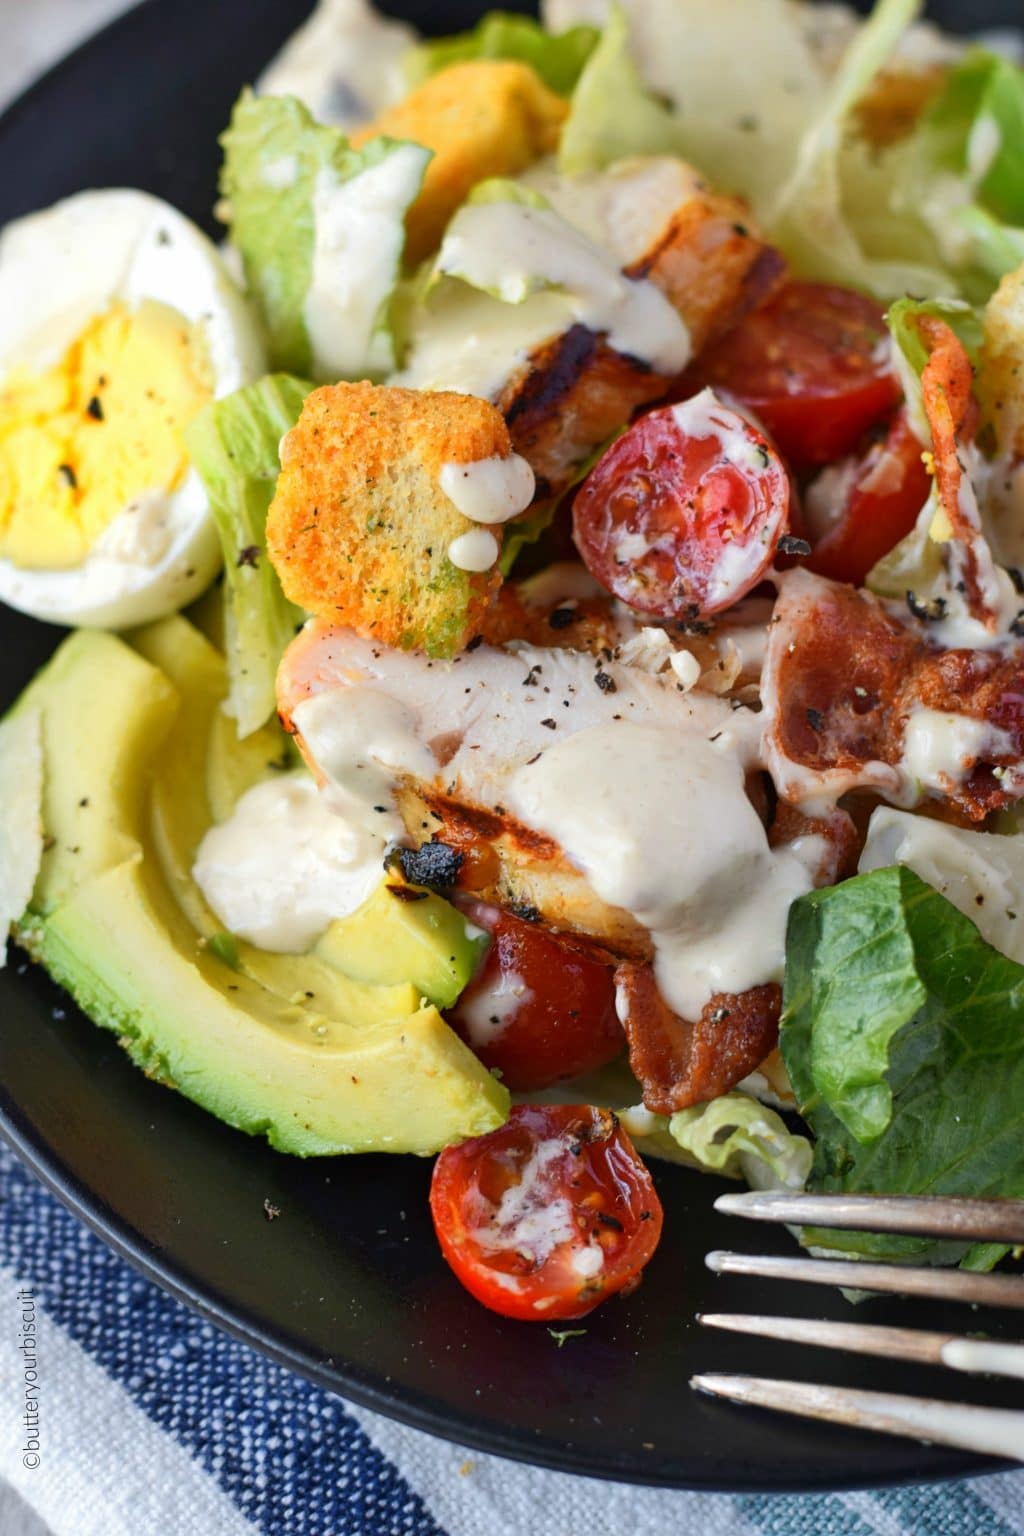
pixel 903 1035
pixel 734 1136
pixel 233 444
pixel 613 115
pixel 321 232
pixel 557 59
pixel 808 219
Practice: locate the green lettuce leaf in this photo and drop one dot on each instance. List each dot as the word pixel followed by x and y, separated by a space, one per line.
pixel 557 59
pixel 733 1136
pixel 903 1035
pixel 320 228
pixel 613 115
pixel 233 444
pixel 808 218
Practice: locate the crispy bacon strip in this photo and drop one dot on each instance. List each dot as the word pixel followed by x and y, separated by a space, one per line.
pixel 840 679
pixel 679 1063
pixel 841 842
pixel 949 406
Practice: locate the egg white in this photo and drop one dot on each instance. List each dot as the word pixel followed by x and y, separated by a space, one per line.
pixel 58 270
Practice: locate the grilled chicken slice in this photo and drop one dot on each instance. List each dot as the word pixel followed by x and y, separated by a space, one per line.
pixel 562 387
pixel 457 732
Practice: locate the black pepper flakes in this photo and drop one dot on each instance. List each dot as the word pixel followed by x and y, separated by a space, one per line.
pixel 552 725
pixel 95 408
pixel 789 544
pixel 525 912
pixel 249 555
pixel 68 475
pixel 815 719
pixel 605 681
pixel 561 618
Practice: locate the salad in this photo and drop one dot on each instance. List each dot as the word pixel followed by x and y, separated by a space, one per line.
pixel 545 681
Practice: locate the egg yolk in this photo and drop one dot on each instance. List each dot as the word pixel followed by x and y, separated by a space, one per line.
pixel 105 424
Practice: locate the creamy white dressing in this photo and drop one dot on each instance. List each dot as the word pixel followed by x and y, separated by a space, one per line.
pixel 627 207
pixel 470 342
pixel 359 235
pixel 981 873
pixel 362 744
pixel 344 63
pixel 489 490
pixel 941 749
pixel 476 551
pixel 284 866
pixel 525 1219
pixel 491 1008
pixel 511 249
pixel 280 173
pixel 631 805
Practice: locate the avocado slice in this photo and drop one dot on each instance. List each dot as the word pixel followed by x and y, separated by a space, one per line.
pixel 402 932
pixel 278 1045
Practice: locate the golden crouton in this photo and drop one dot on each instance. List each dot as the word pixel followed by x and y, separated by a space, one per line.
pixel 359 529
pixel 484 117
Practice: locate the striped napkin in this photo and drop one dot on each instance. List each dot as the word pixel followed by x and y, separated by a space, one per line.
pixel 124 1414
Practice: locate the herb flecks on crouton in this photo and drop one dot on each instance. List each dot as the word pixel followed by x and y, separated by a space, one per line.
pixel 482 118
pixel 359 528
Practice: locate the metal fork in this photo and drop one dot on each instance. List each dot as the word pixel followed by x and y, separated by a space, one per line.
pixel 995 1431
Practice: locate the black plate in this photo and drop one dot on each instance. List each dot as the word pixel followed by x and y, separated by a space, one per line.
pixel 348 1286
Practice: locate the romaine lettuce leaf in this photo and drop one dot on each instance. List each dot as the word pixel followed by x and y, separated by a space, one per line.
pixel 613 115
pixel 903 1035
pixel 734 1136
pixel 808 218
pixel 233 444
pixel 557 59
pixel 320 228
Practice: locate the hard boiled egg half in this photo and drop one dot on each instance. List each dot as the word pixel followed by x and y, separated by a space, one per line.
pixel 118 323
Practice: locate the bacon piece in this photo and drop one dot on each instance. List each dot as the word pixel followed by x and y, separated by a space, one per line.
pixel 840 679
pixel 841 841
pixel 952 415
pixel 679 1063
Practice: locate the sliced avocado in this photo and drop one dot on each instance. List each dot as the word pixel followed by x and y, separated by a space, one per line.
pixel 106 714
pixel 281 1045
pixel 310 1084
pixel 401 932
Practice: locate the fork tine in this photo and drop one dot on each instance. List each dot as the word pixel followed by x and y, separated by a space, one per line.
pixel 996 1221
pixel 859 1275
pixel 993 1431
pixel 990 1356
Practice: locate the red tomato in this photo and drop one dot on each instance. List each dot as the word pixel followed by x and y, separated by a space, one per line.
pixel 547 1216
pixel 540 1008
pixel 882 503
pixel 682 515
pixel 813 365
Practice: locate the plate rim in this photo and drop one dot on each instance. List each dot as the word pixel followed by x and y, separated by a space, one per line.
pixel 341 1379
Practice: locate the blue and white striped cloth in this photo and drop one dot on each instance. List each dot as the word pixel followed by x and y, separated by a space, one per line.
pixel 151 1423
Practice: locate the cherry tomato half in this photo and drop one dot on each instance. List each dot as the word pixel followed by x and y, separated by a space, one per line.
pixel 813 364
pixel 682 515
pixel 882 502
pixel 547 1216
pixel 540 1008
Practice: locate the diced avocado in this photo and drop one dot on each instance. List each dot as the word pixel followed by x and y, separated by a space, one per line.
pixel 310 1084
pixel 106 714
pixel 281 1045
pixel 401 932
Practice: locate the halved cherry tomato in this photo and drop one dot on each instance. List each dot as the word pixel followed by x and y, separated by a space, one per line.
pixel 682 515
pixel 540 1008
pixel 882 502
pixel 813 365
pixel 547 1216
